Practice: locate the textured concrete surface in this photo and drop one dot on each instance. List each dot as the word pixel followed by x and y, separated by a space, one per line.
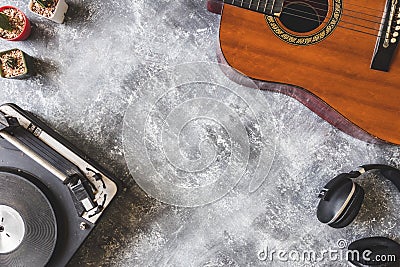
pixel 91 70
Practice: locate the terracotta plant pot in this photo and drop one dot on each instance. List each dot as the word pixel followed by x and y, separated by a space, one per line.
pixel 55 13
pixel 15 64
pixel 26 30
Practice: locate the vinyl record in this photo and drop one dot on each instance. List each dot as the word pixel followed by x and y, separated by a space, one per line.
pixel 28 228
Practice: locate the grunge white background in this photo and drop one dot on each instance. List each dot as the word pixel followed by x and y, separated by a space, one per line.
pixel 93 68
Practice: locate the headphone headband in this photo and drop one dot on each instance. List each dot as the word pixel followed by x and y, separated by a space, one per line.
pixel 389 172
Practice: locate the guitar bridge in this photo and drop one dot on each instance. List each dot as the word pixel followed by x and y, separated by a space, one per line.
pixel 387 40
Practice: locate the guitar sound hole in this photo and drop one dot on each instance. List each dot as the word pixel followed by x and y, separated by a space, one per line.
pixel 303 16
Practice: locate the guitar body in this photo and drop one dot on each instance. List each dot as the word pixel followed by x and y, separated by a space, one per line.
pixel 329 71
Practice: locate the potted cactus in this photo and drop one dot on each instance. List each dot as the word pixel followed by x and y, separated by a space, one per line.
pixel 14 25
pixel 51 9
pixel 15 64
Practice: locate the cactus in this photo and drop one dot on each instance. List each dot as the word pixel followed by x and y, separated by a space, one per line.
pixel 12 62
pixel 5 22
pixel 45 3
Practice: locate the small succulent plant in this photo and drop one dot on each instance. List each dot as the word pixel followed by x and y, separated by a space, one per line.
pixel 45 3
pixel 5 22
pixel 12 62
pixel 15 64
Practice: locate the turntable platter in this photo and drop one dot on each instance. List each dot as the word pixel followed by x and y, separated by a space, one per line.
pixel 28 228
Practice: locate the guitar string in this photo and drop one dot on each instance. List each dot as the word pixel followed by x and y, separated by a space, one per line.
pixel 326 10
pixel 305 12
pixel 248 4
pixel 232 2
pixel 348 22
pixel 345 9
pixel 355 17
pixel 355 24
pixel 310 19
pixel 374 22
pixel 339 26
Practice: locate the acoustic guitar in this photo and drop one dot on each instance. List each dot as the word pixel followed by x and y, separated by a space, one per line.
pixel 340 56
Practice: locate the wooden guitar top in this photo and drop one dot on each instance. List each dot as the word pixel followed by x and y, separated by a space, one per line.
pixel 335 70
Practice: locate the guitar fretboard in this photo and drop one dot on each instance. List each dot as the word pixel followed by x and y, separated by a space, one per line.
pixel 267 7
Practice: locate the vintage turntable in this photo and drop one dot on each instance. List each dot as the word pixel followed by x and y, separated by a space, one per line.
pixel 51 195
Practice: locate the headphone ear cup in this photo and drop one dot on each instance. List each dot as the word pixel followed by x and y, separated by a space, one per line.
pixel 351 210
pixel 331 203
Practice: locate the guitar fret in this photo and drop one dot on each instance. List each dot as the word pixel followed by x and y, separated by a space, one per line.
pixel 268 7
pixel 272 6
pixel 262 6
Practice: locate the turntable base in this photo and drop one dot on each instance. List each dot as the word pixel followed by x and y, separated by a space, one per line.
pixel 51 195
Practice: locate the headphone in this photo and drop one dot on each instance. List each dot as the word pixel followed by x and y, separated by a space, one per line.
pixel 341 200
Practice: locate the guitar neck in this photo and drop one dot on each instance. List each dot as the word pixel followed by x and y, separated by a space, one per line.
pixel 267 7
